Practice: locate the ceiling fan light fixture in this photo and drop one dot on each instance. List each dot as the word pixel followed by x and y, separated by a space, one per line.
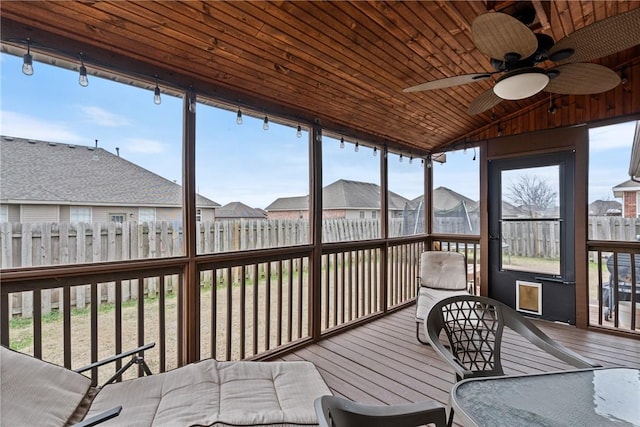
pixel 521 83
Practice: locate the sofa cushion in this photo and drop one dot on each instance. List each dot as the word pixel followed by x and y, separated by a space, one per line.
pixel 443 270
pixel 37 393
pixel 212 393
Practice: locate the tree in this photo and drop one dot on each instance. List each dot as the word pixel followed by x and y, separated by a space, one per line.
pixel 532 193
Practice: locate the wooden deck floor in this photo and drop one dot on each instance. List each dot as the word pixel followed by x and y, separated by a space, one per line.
pixel 383 363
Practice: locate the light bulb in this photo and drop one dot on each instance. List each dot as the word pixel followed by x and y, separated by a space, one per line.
pixel 342 142
pixel 82 78
pixel 375 151
pixel 156 95
pixel 27 63
pixel 400 158
pixel 429 163
pixel 356 148
pixel 422 163
pixel 239 117
pixel 299 132
pixel 191 99
pixel 410 160
pixel 265 125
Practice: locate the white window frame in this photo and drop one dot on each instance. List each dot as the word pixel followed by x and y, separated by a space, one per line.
pixel 146 214
pixel 4 213
pixel 112 217
pixel 80 214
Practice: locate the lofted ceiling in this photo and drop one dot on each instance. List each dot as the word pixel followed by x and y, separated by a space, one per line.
pixel 343 63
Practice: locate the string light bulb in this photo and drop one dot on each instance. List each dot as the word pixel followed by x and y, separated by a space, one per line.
pixel 265 124
pixel 357 147
pixel 239 117
pixel 156 94
pixel 375 151
pixel 342 142
pixel 299 132
pixel 192 100
pixel 499 130
pixel 27 61
pixel 410 160
pixel 83 80
pixel 400 157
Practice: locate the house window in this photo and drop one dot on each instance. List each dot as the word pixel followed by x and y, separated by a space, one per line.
pixel 4 213
pixel 117 217
pixel 198 215
pixel 361 214
pixel 146 214
pixel 374 214
pixel 638 204
pixel 80 214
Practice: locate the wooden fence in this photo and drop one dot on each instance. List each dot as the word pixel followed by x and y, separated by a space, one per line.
pixel 36 244
pixel 542 239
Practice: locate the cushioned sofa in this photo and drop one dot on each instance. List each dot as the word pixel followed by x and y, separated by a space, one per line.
pixel 206 393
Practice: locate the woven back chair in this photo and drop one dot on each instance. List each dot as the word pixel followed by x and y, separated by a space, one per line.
pixel 473 326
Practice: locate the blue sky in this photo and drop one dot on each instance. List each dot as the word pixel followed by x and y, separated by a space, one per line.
pixel 234 162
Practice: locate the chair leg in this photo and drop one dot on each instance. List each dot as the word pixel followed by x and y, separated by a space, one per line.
pixel 418 324
pixel 450 421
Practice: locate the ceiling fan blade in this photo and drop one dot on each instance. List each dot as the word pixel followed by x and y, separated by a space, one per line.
pixel 449 82
pixel 496 34
pixel 601 38
pixel 582 78
pixel 486 100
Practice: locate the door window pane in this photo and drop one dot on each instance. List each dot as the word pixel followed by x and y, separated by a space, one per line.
pixel 530 214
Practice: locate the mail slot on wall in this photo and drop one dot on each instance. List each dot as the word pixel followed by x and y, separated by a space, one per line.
pixel 529 297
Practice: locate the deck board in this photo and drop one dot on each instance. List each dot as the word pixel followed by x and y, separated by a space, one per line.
pixel 381 362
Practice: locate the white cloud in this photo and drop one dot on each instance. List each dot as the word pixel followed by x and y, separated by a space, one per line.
pixel 142 145
pixel 24 126
pixel 103 117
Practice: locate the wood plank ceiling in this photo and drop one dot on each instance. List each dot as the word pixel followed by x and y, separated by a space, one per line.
pixel 344 63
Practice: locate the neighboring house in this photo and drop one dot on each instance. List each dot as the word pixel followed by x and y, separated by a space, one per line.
pixel 629 192
pixel 238 210
pixel 43 181
pixel 605 208
pixel 341 199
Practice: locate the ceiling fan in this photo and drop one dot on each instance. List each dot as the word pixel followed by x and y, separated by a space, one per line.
pixel 516 51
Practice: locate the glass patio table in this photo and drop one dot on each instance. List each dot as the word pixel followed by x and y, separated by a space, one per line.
pixel 588 397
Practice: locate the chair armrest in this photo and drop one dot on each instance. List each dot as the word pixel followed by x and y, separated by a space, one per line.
pixel 534 335
pixel 101 417
pixel 116 357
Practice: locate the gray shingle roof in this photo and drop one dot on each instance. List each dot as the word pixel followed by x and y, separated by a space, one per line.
pixel 342 194
pixel 41 171
pixel 239 210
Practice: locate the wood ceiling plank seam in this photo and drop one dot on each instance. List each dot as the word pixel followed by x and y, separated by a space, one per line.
pixel 326 62
pixel 156 25
pixel 459 91
pixel 89 18
pixel 348 60
pixel 419 123
pixel 588 14
pixel 437 97
pixel 470 120
pixel 465 93
pixel 566 20
pixel 337 114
